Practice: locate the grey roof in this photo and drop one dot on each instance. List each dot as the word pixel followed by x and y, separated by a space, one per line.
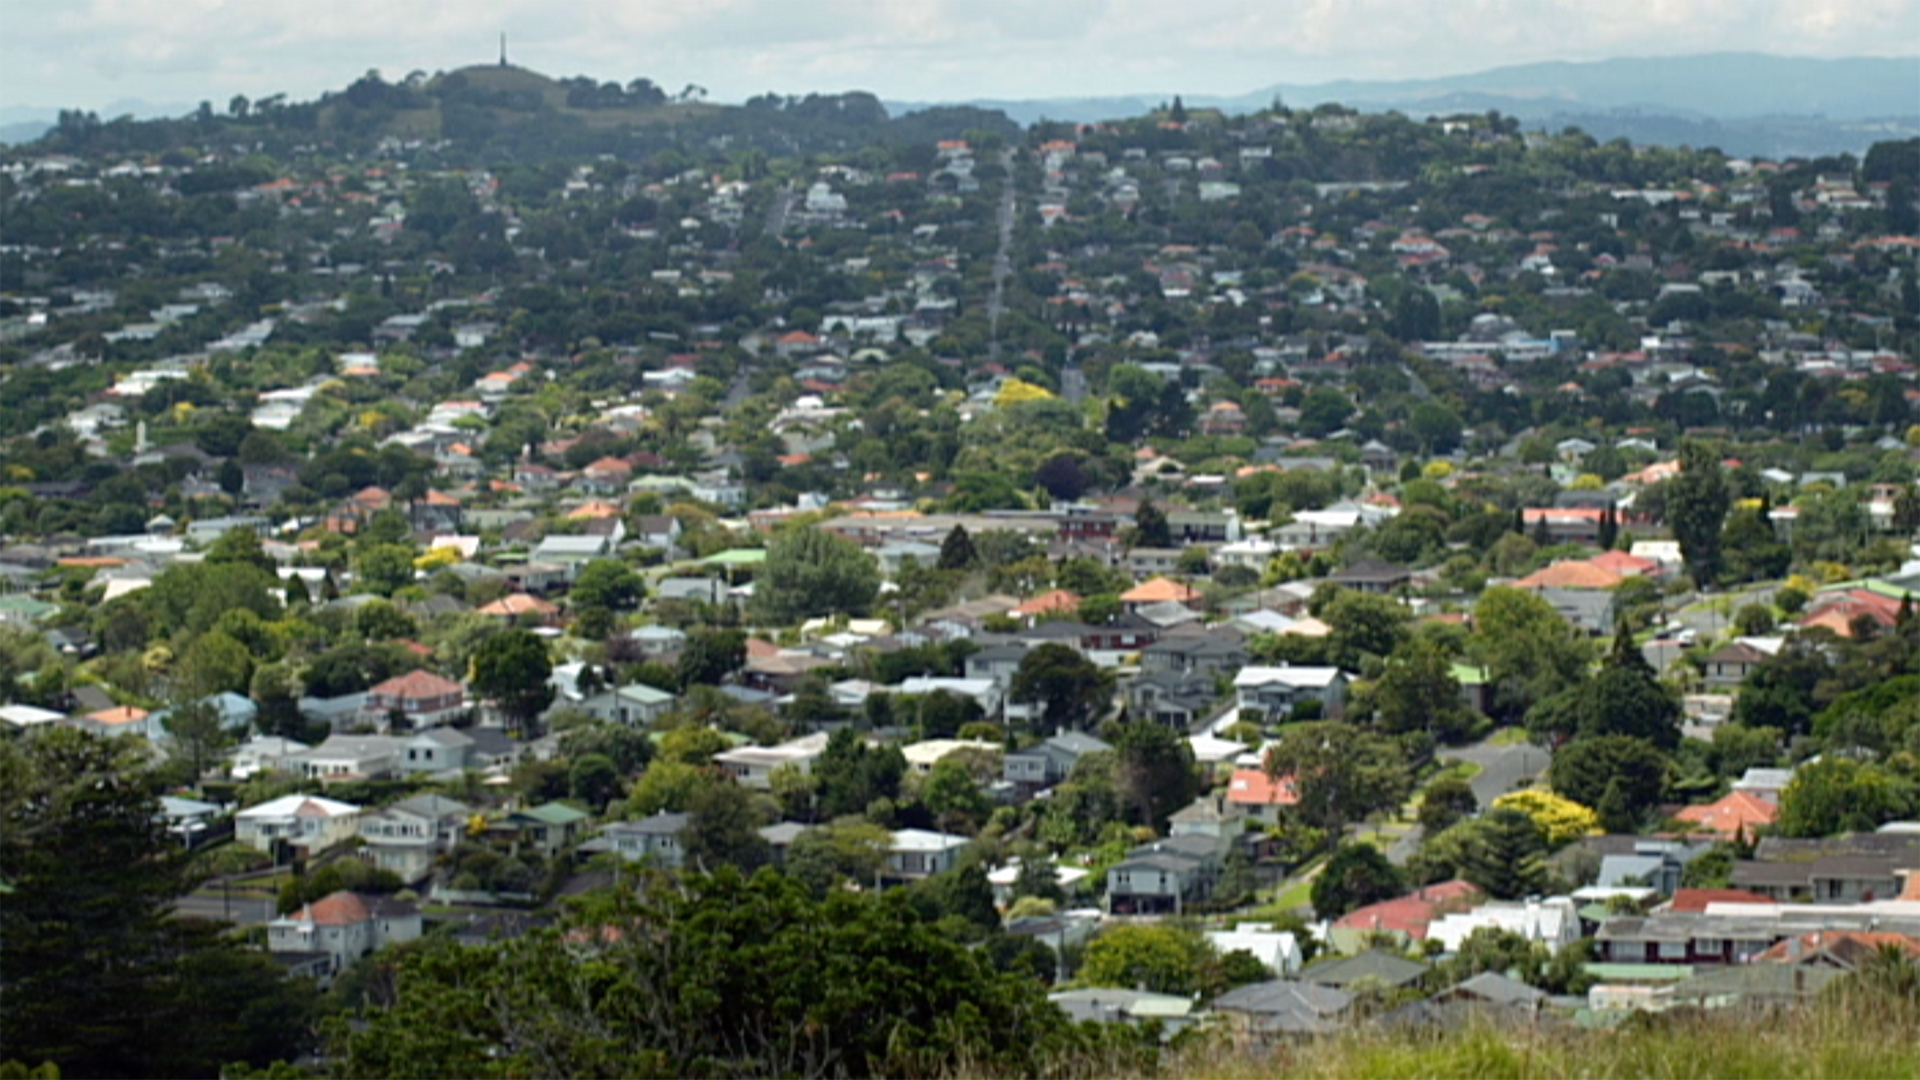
pixel 663 823
pixel 1757 981
pixel 433 806
pixel 1495 987
pixel 1078 742
pixel 1286 1005
pixel 782 833
pixel 1390 968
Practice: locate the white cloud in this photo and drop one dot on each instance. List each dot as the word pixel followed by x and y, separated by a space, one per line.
pixel 87 53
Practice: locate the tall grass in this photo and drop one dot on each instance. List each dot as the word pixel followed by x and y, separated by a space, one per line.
pixel 1840 1039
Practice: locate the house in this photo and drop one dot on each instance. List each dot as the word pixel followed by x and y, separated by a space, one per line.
pixel 1553 921
pixel 1372 576
pixel 660 531
pixel 1107 1005
pixel 1840 870
pixel 635 704
pixel 1738 814
pixel 548 828
pixel 1164 876
pixel 342 757
pixel 1404 917
pixel 187 818
pixel 1171 698
pixel 1730 664
pixel 1047 763
pixel 1277 950
pixel 421 697
pixel 1589 610
pixel 344 927
pixel 1282 1009
pixel 655 840
pixel 571 552
pixel 1372 967
pixel 306 822
pixel 1155 591
pixel 917 853
pixel 753 766
pixel 260 753
pixel 1570 574
pixel 1260 795
pixel 1193 650
pixel 409 836
pixel 1277 691
pixel 1493 988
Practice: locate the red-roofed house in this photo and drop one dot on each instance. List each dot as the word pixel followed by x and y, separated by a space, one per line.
pixel 342 928
pixel 1260 795
pixel 1624 564
pixel 1737 813
pixel 424 698
pixel 1159 590
pixel 1574 574
pixel 1409 915
pixel 1696 900
pixel 1843 949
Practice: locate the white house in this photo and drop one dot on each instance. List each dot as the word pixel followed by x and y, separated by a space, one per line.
pixel 918 853
pixel 344 927
pixel 1276 691
pixel 1554 922
pixel 305 821
pixel 1277 949
pixel 753 766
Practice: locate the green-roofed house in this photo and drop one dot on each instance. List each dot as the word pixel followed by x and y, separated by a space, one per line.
pixel 20 608
pixel 734 560
pixel 548 828
pixel 1476 686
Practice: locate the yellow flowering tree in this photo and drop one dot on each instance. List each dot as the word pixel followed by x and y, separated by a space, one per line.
pixel 1018 391
pixel 1560 820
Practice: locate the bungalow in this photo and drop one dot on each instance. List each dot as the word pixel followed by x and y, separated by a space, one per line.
pixel 1282 1009
pixel 307 822
pixel 571 552
pixel 548 828
pixel 635 704
pixel 342 757
pixel 917 853
pixel 1372 576
pixel 653 839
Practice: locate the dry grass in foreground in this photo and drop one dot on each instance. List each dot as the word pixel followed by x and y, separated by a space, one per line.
pixel 1829 1041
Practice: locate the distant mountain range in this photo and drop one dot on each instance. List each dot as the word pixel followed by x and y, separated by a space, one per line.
pixel 1745 103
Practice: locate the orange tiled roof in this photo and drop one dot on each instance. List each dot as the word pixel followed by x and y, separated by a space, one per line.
pixel 1738 811
pixel 1253 787
pixel 1577 574
pixel 1157 590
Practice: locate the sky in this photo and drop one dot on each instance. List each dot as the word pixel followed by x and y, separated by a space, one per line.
pixel 92 53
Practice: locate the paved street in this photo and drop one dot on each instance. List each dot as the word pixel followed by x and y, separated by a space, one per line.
pixel 1502 768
